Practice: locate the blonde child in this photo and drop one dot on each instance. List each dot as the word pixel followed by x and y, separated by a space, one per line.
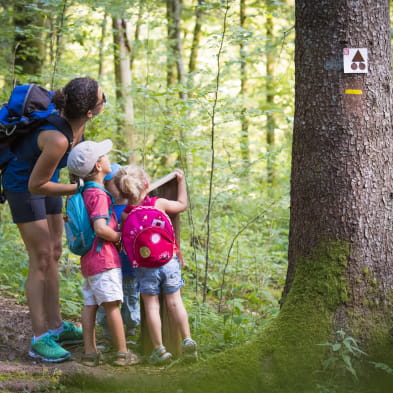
pixel 101 266
pixel 133 184
pixel 130 310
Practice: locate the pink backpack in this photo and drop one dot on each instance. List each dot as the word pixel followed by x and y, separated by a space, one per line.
pixel 148 237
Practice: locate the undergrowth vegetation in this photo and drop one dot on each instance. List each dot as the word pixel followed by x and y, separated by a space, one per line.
pixel 243 283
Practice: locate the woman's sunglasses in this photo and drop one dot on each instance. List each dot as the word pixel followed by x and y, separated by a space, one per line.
pixel 103 100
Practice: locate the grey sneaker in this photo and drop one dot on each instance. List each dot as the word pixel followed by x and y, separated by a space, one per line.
pixel 160 356
pixel 190 350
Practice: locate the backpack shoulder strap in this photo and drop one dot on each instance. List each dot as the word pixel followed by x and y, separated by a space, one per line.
pixel 128 209
pixel 93 184
pixel 63 126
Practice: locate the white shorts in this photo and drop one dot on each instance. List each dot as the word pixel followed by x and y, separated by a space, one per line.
pixel 103 287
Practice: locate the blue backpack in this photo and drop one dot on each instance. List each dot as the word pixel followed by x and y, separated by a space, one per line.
pixel 28 108
pixel 79 231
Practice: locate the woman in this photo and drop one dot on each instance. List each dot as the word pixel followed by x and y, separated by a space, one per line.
pixel 34 195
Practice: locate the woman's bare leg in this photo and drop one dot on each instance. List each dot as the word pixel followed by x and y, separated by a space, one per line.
pixel 42 284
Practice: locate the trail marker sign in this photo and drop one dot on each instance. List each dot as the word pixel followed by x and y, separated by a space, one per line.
pixel 355 60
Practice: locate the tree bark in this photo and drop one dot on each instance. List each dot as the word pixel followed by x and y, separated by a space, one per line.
pixel 244 136
pixel 124 81
pixel 136 34
pixel 175 47
pixel 178 46
pixel 101 49
pixel 28 43
pixel 196 38
pixel 342 178
pixel 270 93
pixel 170 62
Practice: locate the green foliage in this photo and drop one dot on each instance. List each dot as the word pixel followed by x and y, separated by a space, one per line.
pixel 71 299
pixel 14 263
pixel 249 214
pixel 346 367
pixel 343 352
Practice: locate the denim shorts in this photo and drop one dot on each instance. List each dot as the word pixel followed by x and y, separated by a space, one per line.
pixel 27 207
pixel 103 287
pixel 164 279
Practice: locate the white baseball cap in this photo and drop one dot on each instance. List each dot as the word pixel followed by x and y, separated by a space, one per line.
pixel 84 156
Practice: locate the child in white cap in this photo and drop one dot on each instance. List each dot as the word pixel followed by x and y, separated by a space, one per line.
pixel 130 308
pixel 101 269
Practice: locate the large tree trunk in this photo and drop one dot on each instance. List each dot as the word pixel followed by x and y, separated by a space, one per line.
pixel 341 185
pixel 340 273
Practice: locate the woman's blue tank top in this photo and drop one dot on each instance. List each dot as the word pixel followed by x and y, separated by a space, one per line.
pixel 16 175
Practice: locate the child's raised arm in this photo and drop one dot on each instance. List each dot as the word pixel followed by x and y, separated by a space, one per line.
pixel 180 204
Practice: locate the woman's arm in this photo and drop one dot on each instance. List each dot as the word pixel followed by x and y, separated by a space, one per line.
pixel 53 145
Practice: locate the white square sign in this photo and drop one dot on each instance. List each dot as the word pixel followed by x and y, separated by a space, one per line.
pixel 355 60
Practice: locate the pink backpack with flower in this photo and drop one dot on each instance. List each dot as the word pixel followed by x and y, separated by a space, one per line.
pixel 148 236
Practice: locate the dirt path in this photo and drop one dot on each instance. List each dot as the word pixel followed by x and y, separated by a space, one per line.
pixel 20 373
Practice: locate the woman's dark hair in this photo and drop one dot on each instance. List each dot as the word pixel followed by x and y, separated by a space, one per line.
pixel 77 97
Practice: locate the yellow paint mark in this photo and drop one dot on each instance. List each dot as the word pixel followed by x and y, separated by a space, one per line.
pixel 352 91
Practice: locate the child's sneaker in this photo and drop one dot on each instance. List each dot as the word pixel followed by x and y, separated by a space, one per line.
pixel 160 356
pixel 190 350
pixel 48 350
pixel 70 334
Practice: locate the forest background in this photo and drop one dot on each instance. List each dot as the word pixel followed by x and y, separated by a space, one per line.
pixel 206 86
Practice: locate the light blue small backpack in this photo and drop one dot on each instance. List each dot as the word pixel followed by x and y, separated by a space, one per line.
pixel 78 229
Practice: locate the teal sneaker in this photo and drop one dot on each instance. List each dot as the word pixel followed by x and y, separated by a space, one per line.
pixel 48 350
pixel 70 335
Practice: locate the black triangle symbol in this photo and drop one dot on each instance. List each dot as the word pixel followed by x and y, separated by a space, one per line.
pixel 358 57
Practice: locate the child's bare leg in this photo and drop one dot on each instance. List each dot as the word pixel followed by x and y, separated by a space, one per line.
pixel 176 308
pixel 115 324
pixel 153 319
pixel 89 328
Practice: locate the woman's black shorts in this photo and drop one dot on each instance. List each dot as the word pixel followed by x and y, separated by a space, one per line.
pixel 27 207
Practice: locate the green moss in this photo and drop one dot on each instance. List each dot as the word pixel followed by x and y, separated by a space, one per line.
pixel 286 354
pixel 306 318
